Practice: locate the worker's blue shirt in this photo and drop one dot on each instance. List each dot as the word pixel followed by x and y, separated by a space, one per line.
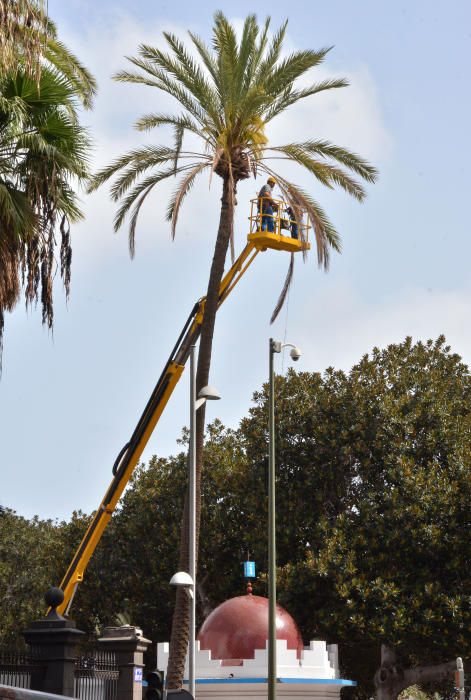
pixel 266 191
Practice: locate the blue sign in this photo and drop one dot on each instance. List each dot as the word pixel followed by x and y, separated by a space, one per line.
pixel 249 569
pixel 138 675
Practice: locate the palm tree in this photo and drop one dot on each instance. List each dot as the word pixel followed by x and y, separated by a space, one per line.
pixel 42 148
pixel 228 95
pixel 22 26
pixel 28 39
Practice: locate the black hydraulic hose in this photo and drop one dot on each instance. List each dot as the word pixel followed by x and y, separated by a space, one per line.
pixel 118 458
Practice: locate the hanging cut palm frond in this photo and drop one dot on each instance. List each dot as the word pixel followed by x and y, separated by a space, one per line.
pixel 284 292
pixel 23 26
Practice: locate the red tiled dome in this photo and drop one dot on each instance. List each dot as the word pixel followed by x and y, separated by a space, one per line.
pixel 240 625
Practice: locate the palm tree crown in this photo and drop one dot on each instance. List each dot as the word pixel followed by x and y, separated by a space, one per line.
pixel 228 98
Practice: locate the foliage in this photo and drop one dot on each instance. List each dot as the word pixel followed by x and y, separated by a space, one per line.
pixel 29 40
pixel 393 564
pixel 43 155
pixel 42 150
pixel 23 25
pixel 28 549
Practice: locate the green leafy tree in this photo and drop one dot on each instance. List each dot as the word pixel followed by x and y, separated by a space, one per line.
pixel 28 550
pixel 228 95
pixel 391 569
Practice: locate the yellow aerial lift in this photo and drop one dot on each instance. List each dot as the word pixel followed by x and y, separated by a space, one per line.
pixel 128 458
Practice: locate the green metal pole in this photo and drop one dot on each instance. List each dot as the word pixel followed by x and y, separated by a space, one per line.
pixel 271 534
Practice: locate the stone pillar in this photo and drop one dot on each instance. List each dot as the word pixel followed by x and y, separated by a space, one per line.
pixel 54 640
pixel 129 646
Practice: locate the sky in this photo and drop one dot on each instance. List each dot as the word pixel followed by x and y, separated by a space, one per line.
pixel 69 401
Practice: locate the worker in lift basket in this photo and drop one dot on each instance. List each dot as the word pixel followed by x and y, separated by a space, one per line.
pixel 267 205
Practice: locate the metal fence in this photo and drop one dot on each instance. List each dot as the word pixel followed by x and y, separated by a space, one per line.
pixel 17 667
pixel 96 676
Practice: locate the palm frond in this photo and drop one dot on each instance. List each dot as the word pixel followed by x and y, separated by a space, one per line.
pixel 206 56
pixel 289 96
pixel 151 121
pixel 180 193
pixel 326 235
pixel 63 60
pixel 144 186
pixel 291 68
pixel 225 45
pixel 246 52
pixel 137 161
pixel 185 71
pixel 342 155
pixel 284 292
pixel 163 82
pixel 327 174
pixel 266 67
pixel 16 213
pixel 255 60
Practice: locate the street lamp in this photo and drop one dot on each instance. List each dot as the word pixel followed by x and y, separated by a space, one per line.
pixel 207 393
pixel 274 346
pixel 183 580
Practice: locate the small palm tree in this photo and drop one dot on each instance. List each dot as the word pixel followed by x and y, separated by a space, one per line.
pixel 228 95
pixel 42 148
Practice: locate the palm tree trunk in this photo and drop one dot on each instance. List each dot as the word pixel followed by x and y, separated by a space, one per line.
pixel 180 622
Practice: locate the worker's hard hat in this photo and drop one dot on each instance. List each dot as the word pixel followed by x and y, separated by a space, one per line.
pixel 271 180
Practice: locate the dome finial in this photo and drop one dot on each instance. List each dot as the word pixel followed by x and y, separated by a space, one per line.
pixel 249 572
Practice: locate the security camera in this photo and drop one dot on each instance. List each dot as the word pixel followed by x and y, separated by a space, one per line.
pixel 295 354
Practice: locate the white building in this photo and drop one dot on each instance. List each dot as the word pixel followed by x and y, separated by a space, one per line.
pixel 232 656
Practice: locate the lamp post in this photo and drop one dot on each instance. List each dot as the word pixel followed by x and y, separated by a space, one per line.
pixel 274 346
pixel 207 393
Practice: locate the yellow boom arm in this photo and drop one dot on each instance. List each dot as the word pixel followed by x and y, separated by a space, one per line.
pixel 129 456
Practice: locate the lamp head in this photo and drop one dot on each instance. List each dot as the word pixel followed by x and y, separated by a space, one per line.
pixel 209 393
pixel 182 580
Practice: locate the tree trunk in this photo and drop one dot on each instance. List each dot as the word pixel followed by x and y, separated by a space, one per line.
pixel 180 622
pixel 391 678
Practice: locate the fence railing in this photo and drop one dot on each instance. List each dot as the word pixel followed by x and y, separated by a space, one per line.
pixel 96 673
pixel 17 667
pixel 96 676
pixel 58 660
